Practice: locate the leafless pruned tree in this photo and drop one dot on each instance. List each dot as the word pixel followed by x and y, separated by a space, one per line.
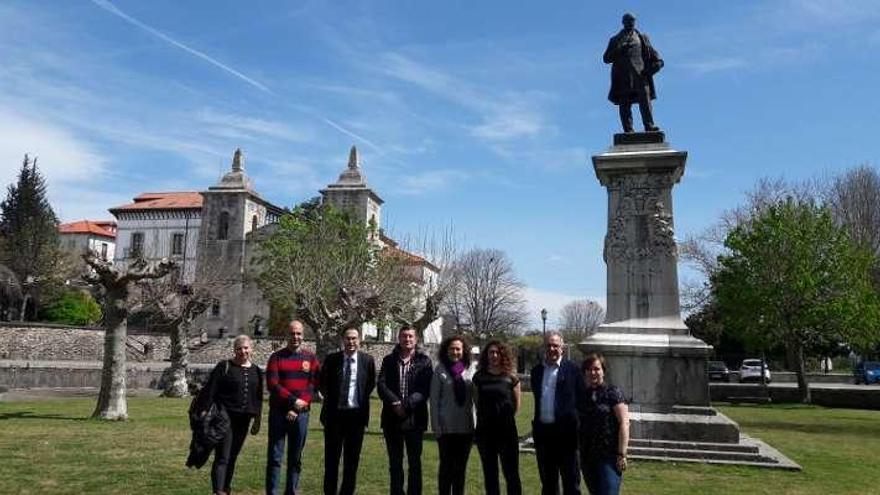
pixel 580 319
pixel 854 199
pixel 486 299
pixel 113 285
pixel 426 263
pixel 176 306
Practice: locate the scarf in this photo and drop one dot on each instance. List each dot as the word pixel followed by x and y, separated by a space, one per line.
pixel 459 389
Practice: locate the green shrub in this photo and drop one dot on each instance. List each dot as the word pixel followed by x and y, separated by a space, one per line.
pixel 73 307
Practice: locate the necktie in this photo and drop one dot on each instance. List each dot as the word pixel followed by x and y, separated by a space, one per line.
pixel 346 382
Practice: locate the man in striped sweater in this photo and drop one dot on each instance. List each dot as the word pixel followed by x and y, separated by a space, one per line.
pixel 292 380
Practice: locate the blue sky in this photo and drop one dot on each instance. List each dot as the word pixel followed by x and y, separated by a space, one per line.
pixel 477 115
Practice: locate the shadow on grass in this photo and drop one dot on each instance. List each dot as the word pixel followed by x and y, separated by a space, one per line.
pixel 29 415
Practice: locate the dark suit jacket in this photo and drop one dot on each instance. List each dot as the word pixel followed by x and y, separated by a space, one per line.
pixel 419 388
pixel 630 75
pixel 331 382
pixel 570 392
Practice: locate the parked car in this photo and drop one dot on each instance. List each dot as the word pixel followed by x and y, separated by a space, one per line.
pixel 867 372
pixel 750 371
pixel 718 371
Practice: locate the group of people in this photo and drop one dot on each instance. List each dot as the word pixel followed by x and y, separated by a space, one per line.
pixel 580 423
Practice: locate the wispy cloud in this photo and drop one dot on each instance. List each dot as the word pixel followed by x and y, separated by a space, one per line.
pixel 432 180
pixel 715 64
pixel 63 156
pixel 504 116
pixel 227 124
pixel 352 134
pixel 109 7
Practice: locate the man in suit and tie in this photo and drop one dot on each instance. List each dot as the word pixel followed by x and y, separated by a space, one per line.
pixel 558 388
pixel 348 377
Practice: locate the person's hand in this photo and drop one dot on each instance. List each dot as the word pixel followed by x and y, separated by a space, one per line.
pixel 203 414
pixel 291 415
pixel 621 463
pixel 300 405
pixel 399 410
pixel 255 428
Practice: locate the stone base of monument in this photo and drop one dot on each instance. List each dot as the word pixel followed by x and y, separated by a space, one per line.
pixel 649 351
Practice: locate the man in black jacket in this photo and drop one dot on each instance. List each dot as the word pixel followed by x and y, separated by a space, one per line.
pixel 558 387
pixel 404 384
pixel 347 379
pixel 633 65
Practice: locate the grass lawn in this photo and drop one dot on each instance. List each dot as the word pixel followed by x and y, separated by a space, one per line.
pixel 49 446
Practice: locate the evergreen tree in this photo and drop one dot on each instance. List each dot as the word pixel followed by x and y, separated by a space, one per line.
pixel 29 244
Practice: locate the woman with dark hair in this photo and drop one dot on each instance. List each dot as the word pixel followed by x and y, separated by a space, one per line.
pixel 452 413
pixel 236 387
pixel 604 430
pixel 498 397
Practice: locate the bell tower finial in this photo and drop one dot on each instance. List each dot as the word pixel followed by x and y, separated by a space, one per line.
pixel 354 160
pixel 236 160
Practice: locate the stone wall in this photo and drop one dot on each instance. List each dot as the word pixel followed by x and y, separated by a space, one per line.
pixel 46 342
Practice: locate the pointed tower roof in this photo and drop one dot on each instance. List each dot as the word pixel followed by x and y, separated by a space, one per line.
pixel 236 178
pixel 353 177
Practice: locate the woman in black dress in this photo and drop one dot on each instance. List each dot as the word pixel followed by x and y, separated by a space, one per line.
pixel 604 430
pixel 498 398
pixel 236 385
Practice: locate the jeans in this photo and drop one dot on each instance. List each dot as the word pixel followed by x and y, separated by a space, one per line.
pixel 294 432
pixel 602 476
pixel 227 451
pixel 503 446
pixel 455 448
pixel 395 441
pixel 556 450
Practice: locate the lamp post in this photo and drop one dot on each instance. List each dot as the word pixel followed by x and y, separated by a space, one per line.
pixel 544 320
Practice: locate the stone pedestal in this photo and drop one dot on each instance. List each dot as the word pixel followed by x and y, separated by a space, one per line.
pixel 650 353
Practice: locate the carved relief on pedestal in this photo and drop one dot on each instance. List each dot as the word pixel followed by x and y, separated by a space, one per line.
pixel 640 228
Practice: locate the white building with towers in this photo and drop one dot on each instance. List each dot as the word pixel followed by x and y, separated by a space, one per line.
pixel 214 233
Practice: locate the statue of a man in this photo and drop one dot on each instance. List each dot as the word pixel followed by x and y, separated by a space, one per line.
pixel 633 65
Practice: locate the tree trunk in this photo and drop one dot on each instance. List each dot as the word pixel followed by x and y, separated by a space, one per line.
pixel 111 399
pixel 326 341
pixel 796 358
pixel 175 377
pixel 22 315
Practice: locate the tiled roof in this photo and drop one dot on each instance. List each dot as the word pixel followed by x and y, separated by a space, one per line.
pixel 85 227
pixel 163 201
pixel 408 258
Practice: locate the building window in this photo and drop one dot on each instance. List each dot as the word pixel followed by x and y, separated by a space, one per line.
pixel 223 226
pixel 104 248
pixel 215 307
pixel 176 244
pixel 136 249
pixel 254 222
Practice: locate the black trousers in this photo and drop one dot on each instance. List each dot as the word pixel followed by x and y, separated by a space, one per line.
pixel 343 437
pixel 455 448
pixel 226 452
pixel 500 445
pixel 556 449
pixel 626 116
pixel 395 441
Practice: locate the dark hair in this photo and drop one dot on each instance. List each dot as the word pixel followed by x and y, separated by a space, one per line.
pixel 503 351
pixel 405 328
pixel 443 353
pixel 590 359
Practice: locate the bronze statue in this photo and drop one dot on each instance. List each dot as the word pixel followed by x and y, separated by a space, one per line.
pixel 633 65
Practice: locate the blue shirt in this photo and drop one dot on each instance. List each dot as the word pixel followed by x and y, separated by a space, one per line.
pixel 548 393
